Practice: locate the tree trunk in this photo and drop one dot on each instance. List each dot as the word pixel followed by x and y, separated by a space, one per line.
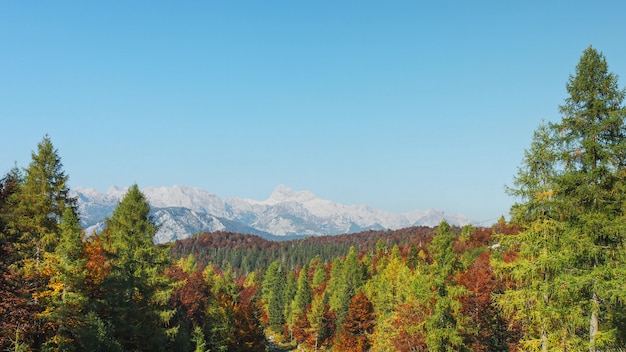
pixel 544 340
pixel 593 323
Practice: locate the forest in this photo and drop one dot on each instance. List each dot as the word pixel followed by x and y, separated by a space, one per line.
pixel 550 278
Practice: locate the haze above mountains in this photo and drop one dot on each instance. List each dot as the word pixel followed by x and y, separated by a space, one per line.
pixel 182 211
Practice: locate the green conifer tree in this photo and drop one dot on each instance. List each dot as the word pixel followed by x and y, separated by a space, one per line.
pixel 347 277
pixel 273 286
pixel 41 202
pixel 303 295
pixel 572 210
pixel 136 287
pixel 591 187
pixel 446 323
pixel 64 298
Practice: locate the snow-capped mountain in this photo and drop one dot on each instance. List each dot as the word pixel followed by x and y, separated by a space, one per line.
pixel 182 211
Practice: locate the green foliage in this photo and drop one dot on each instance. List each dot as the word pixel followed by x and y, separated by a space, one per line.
pixel 445 325
pixel 40 203
pixel 198 339
pixel 347 277
pixel 303 295
pixel 387 290
pixel 63 297
pixel 571 186
pixel 274 282
pixel 134 298
pixel 97 335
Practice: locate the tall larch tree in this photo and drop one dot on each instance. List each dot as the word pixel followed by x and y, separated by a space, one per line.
pixel 64 296
pixel 538 302
pixel 357 326
pixel 446 324
pixel 593 151
pixel 574 218
pixel 388 290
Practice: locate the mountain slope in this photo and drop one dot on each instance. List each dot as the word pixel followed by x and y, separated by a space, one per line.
pixel 181 211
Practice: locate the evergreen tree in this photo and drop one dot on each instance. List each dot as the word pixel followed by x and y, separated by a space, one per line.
pixel 41 202
pixel 289 293
pixel 273 286
pixel 303 295
pixel 32 221
pixel 347 277
pixel 16 310
pixel 136 289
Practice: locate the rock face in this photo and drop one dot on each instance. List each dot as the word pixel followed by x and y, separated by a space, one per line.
pixel 183 211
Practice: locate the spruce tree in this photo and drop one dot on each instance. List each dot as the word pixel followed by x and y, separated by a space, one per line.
pixel 17 313
pixel 136 287
pixel 303 295
pixel 35 210
pixel 274 283
pixel 41 201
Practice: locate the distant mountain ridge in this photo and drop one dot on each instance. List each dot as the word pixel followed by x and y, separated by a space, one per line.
pixel 182 211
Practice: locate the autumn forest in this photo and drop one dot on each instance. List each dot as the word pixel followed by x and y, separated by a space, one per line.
pixel 551 277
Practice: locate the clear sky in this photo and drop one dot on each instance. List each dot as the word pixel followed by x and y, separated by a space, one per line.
pixel 399 105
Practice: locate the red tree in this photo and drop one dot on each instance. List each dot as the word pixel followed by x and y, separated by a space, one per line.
pixel 358 324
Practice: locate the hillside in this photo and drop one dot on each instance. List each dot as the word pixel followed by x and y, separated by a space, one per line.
pixel 249 252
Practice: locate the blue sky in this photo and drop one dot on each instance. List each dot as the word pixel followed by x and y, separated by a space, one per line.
pixel 399 105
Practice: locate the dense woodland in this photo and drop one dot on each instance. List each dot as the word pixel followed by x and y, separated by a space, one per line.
pixel 551 278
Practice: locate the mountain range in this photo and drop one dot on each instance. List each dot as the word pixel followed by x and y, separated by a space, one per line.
pixel 182 211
